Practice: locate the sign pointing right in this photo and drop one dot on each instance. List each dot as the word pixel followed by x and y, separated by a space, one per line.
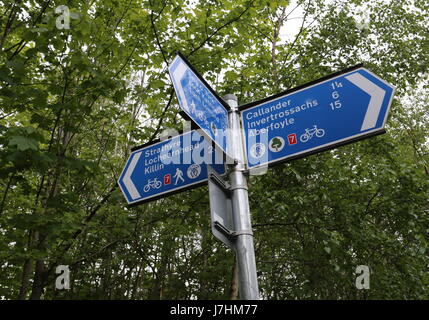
pixel 324 114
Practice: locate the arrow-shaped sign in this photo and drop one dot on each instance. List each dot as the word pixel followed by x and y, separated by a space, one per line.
pixel 326 113
pixel 200 102
pixel 170 166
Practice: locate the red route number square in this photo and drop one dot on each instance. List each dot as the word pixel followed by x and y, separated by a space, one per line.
pixel 167 179
pixel 292 138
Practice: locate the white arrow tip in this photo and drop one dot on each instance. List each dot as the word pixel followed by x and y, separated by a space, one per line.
pixel 377 96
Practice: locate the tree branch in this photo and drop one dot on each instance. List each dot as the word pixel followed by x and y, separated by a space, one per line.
pixel 219 29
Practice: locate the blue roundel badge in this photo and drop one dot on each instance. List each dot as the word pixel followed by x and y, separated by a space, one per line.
pixel 258 150
pixel 193 171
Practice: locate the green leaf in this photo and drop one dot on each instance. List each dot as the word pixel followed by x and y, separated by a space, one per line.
pixel 24 143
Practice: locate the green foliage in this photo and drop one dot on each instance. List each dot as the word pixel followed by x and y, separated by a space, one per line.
pixel 74 101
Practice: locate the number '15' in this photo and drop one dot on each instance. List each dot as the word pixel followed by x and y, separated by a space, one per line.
pixel 335 105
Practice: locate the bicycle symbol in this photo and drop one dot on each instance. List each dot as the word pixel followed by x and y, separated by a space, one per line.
pixel 309 133
pixel 155 184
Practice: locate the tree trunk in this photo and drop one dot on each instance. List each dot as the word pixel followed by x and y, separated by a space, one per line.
pixel 25 279
pixel 234 283
pixel 38 284
pixel 39 273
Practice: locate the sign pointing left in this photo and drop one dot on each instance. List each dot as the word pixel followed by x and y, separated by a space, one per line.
pixel 168 167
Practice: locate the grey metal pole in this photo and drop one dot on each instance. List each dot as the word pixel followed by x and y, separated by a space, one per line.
pixel 245 251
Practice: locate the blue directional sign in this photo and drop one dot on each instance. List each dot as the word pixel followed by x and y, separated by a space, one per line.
pixel 332 111
pixel 168 167
pixel 200 102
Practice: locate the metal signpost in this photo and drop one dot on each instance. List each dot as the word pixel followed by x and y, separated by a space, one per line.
pixel 332 111
pixel 199 101
pixel 244 249
pixel 230 211
pixel 322 115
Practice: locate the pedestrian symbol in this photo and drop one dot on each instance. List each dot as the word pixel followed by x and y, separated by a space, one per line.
pixel 214 129
pixel 193 107
pixel 178 176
